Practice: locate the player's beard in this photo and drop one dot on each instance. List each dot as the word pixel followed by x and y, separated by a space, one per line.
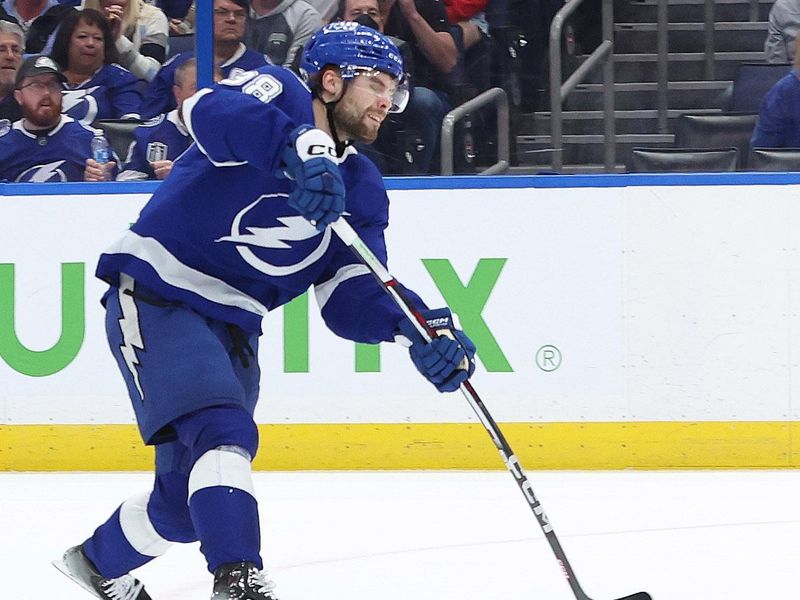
pixel 355 124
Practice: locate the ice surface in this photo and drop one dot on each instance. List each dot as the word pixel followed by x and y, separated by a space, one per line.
pixel 686 535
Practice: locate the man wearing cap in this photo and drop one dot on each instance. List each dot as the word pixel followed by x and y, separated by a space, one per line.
pixel 46 146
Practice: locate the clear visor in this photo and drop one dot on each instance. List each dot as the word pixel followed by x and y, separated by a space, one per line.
pixel 386 87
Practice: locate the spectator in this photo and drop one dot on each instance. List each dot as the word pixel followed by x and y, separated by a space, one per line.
pixel 97 88
pixel 280 28
pixel 25 12
pixel 182 25
pixel 784 21
pixel 140 33
pixel 778 123
pixel 352 10
pixel 12 46
pixel 424 25
pixel 326 9
pixel 38 20
pixel 470 17
pixel 230 56
pixel 46 145
pixel 161 140
pixel 368 13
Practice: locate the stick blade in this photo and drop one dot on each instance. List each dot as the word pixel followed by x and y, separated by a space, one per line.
pixel 637 596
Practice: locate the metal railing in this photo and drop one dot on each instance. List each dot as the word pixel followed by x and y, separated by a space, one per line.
pixel 558 92
pixel 662 76
pixel 500 99
pixel 708 27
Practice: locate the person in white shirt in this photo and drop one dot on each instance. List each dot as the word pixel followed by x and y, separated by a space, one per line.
pixel 140 31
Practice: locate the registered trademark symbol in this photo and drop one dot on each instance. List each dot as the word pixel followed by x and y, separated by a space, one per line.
pixel 548 358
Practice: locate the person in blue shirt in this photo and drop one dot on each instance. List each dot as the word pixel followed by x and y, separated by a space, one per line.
pixel 230 56
pixel 778 123
pixel 97 88
pixel 46 146
pixel 160 141
pixel 238 229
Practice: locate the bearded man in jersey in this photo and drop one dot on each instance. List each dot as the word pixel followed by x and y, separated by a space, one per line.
pixel 45 145
pixel 193 277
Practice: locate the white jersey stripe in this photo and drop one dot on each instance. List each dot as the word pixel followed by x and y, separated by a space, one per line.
pixel 179 275
pixel 325 290
pixel 221 468
pixel 138 528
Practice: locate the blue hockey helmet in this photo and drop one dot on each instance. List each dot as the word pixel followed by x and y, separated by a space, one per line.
pixel 355 49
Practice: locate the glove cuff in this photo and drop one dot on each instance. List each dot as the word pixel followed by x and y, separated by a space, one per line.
pixel 310 142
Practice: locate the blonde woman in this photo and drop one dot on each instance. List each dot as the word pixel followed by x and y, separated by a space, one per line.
pixel 140 33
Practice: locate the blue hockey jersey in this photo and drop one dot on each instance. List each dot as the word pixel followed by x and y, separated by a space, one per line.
pixel 158 97
pixel 111 93
pixel 162 138
pixel 219 236
pixel 57 156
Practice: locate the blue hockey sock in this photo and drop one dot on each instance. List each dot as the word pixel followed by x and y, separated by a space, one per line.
pixel 226 520
pixel 223 507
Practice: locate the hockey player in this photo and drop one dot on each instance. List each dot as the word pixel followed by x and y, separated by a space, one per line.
pixel 238 229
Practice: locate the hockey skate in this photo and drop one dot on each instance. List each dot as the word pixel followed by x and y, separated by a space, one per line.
pixel 242 581
pixel 80 569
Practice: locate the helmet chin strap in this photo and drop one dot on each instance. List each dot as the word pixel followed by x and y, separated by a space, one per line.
pixel 341 146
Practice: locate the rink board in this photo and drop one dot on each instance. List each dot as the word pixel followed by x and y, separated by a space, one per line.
pixel 622 321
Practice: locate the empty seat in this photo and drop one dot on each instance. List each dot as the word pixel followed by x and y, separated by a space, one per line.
pixel 180 43
pixel 716 130
pixel 119 133
pixel 751 84
pixel 682 160
pixel 775 159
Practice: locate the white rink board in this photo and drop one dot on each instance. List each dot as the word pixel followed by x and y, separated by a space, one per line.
pixel 666 303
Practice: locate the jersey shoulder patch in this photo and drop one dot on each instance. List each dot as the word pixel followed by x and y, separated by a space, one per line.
pixel 5 127
pixel 154 121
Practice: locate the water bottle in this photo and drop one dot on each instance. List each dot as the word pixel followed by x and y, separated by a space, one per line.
pixel 101 151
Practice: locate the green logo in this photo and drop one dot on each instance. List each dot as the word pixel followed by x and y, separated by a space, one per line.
pixel 466 300
pixel 40 363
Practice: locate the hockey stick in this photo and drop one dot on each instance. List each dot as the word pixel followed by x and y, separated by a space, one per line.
pixel 348 235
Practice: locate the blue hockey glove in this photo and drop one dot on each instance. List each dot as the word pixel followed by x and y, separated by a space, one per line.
pixel 449 359
pixel 308 159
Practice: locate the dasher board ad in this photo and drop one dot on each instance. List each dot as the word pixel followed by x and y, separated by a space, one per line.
pixel 615 326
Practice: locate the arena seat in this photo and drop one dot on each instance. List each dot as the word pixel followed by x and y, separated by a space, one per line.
pixel 180 43
pixel 751 84
pixel 682 160
pixel 716 130
pixel 775 159
pixel 119 133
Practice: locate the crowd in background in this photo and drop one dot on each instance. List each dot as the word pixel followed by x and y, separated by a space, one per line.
pixel 121 60
pixel 132 60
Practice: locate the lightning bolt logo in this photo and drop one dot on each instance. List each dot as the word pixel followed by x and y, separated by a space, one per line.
pixel 294 229
pixel 131 332
pixel 44 173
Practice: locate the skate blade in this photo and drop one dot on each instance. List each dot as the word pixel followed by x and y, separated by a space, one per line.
pixel 62 566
